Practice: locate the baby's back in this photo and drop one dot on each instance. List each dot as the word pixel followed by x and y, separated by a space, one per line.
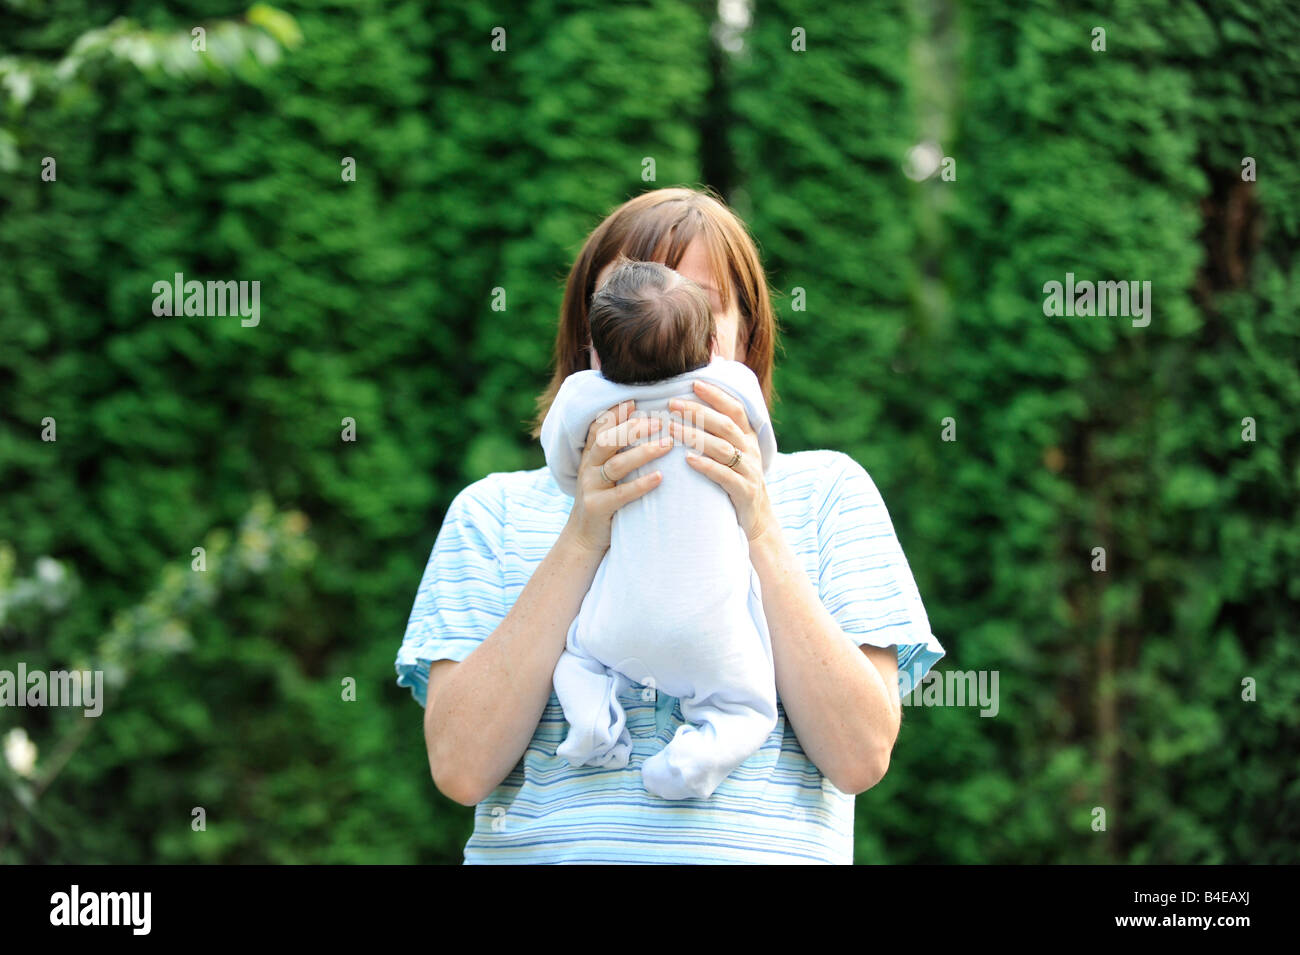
pixel 672 592
pixel 670 600
pixel 680 545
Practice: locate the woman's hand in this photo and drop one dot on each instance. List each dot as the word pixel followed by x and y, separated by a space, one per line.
pixel 596 499
pixel 717 430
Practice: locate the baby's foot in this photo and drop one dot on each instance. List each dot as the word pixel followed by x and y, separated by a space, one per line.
pixel 670 776
pixel 612 756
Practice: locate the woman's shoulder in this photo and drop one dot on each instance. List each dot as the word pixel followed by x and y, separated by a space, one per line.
pixel 821 464
pixel 493 495
pixel 810 481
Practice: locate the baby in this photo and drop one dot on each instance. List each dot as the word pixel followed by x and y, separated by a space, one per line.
pixel 675 603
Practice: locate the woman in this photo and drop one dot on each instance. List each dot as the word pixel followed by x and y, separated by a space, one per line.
pixel 515 556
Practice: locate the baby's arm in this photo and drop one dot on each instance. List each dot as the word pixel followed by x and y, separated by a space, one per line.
pixel 562 447
pixel 582 397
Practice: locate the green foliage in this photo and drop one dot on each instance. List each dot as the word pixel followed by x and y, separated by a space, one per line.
pixel 146 638
pixel 1120 689
pixel 239 49
pixel 479 170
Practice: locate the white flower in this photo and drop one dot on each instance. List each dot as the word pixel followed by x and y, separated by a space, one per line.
pixel 48 570
pixel 20 752
pixel 922 161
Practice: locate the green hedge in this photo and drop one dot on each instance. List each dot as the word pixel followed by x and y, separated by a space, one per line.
pixel 479 170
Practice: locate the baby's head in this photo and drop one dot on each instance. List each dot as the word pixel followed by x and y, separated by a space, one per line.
pixel 649 323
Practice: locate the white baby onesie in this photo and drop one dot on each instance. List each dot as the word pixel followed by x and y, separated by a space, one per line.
pixel 675 603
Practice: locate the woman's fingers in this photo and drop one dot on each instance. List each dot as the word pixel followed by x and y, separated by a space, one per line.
pixel 724 403
pixel 623 463
pixel 710 445
pixel 704 419
pixel 732 482
pixel 631 490
pixel 613 438
pixel 609 418
pixel 595 499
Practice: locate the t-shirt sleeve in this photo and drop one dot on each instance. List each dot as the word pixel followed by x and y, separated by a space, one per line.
pixel 462 596
pixel 865 581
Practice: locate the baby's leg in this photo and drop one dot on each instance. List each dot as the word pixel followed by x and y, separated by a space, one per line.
pixel 732 722
pixel 588 691
pixel 719 734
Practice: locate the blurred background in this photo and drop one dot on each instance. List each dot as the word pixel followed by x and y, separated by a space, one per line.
pixel 909 289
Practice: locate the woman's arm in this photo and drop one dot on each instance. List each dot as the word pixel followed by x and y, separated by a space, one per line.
pixel 842 701
pixel 481 713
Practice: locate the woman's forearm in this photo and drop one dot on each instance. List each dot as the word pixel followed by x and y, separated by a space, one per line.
pixel 483 713
pixel 839 706
pixel 486 709
pixel 838 701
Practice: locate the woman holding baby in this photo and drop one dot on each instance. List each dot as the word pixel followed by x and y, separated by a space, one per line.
pixel 516 556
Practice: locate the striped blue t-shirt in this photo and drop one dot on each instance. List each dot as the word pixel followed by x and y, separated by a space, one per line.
pixel 776 807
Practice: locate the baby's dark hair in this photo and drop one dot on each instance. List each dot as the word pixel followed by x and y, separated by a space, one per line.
pixel 649 323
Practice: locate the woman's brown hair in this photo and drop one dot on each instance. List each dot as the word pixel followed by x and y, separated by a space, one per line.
pixel 658 226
